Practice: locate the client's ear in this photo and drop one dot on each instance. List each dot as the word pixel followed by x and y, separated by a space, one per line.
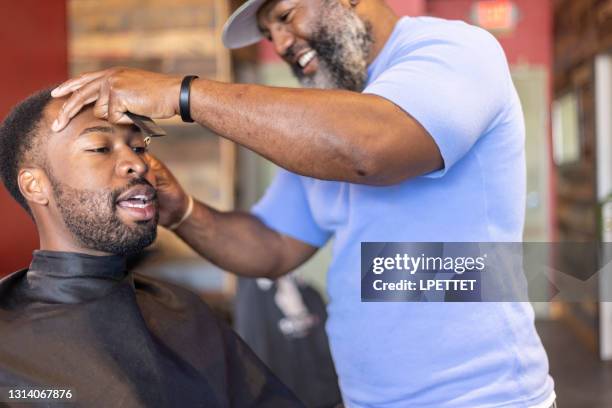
pixel 32 184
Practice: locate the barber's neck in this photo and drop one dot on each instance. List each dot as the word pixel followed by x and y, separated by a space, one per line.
pixel 383 20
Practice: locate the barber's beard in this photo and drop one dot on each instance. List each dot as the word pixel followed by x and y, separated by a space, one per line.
pixel 91 217
pixel 343 43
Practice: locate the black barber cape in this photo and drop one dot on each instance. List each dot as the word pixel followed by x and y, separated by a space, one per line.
pixel 115 339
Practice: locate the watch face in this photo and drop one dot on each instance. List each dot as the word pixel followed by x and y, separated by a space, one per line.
pixel 147 125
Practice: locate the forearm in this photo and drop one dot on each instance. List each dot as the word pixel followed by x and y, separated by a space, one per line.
pixel 329 134
pixel 234 241
pixel 325 134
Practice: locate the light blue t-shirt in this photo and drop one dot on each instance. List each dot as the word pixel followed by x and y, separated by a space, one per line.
pixel 453 78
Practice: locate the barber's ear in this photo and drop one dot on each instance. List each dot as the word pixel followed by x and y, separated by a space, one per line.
pixel 33 185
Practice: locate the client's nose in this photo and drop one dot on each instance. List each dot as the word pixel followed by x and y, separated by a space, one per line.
pixel 131 164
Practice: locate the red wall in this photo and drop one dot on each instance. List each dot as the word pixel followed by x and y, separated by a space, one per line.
pixel 408 7
pixel 33 44
pixel 530 42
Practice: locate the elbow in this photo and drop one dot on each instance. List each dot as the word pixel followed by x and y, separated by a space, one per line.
pixel 354 162
pixel 275 273
pixel 365 158
pixel 372 168
pixel 277 269
pixel 367 172
pixel 392 161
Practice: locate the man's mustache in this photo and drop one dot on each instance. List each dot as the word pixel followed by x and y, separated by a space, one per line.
pixel 132 183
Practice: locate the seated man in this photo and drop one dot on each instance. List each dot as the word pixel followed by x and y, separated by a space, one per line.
pixel 76 319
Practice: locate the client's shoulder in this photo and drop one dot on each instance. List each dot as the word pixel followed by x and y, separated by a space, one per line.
pixel 169 296
pixel 8 286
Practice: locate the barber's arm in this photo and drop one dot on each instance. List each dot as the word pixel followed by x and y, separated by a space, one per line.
pixel 326 134
pixel 235 241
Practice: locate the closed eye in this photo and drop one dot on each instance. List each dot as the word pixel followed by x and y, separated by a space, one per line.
pixel 99 150
pixel 285 16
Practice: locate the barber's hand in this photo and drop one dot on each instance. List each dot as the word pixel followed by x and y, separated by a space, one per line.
pixel 116 91
pixel 172 199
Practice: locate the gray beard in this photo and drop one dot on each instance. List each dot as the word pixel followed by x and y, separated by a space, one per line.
pixel 343 43
pixel 92 219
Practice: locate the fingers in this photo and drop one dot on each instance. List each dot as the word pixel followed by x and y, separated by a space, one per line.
pixel 79 98
pixel 125 120
pixel 154 164
pixel 106 108
pixel 116 111
pixel 74 84
pixel 153 160
pixel 101 107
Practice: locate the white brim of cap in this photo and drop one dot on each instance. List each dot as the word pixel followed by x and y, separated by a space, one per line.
pixel 241 27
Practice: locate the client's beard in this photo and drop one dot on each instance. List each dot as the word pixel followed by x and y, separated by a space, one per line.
pixel 92 219
pixel 343 43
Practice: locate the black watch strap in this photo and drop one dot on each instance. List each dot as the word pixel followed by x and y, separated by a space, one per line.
pixel 184 106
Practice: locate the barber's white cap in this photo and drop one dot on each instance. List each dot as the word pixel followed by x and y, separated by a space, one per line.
pixel 241 28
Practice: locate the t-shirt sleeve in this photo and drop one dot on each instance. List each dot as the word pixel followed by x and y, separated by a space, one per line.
pixel 453 84
pixel 284 208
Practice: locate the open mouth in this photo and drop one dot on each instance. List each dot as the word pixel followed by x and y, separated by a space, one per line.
pixel 139 203
pixel 306 58
pixel 305 62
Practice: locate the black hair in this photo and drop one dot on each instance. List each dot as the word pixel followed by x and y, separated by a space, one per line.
pixel 18 140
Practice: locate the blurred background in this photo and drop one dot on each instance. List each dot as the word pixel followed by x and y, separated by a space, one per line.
pixel 560 53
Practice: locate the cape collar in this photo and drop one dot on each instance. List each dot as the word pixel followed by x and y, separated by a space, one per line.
pixel 69 277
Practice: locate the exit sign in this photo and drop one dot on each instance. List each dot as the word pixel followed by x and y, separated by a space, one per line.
pixel 495 15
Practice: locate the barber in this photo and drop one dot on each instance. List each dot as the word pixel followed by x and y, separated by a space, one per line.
pixel 407 129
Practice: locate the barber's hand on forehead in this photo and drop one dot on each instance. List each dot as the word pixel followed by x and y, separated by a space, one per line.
pixel 116 91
